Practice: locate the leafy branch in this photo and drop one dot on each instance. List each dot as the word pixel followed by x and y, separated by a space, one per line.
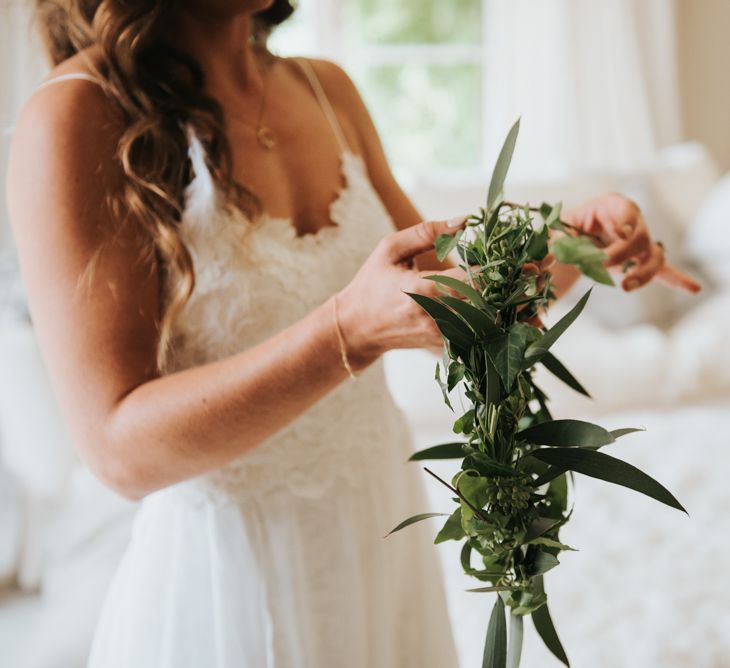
pixel 511 492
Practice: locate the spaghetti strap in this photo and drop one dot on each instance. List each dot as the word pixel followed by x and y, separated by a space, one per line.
pixel 67 77
pixel 323 102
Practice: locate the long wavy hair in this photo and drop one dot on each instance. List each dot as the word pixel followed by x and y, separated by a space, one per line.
pixel 160 91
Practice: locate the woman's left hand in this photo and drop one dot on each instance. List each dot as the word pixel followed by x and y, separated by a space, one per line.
pixel 619 225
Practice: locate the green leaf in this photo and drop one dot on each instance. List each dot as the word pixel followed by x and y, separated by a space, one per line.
pixel 441 312
pixel 454 335
pixel 618 433
pixel 597 464
pixel 550 542
pixel 465 557
pixel 445 243
pixel 507 353
pixel 490 224
pixel 557 493
pixel 435 308
pixel 516 632
pixel 545 628
pixel 550 213
pixel 443 451
pixel 557 368
pixel 465 423
pixel 536 351
pixel 452 530
pixel 443 386
pixel 544 561
pixel 495 646
pixel 464 289
pixel 584 254
pixel 481 590
pixel 413 520
pixel 493 391
pixel 456 375
pixel 539 526
pixel 572 433
pixel 479 321
pixel 551 474
pixel 487 466
pixel 537 248
pixel 501 167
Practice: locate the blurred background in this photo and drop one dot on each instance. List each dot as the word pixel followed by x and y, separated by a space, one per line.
pixel 628 95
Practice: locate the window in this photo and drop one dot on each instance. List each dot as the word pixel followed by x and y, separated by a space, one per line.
pixel 418 65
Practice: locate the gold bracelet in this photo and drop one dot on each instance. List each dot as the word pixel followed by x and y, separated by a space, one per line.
pixel 340 338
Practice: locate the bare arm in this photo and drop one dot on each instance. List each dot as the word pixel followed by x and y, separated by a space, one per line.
pixel 136 430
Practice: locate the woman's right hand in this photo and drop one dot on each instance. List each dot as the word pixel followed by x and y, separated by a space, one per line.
pixel 375 314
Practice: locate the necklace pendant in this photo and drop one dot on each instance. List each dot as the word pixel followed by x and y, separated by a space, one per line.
pixel 265 137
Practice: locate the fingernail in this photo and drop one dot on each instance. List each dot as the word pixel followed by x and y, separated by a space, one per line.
pixel 455 222
pixel 632 284
pixel 625 230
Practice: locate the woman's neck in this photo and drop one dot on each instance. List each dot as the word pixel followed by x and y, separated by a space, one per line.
pixel 222 47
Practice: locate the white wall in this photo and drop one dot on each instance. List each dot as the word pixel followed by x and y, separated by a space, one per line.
pixel 704 68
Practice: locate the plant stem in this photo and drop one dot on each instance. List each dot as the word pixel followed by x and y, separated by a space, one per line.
pixel 473 508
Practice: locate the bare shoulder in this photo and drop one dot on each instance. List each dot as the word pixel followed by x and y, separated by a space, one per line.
pixel 71 113
pixel 65 137
pixel 337 84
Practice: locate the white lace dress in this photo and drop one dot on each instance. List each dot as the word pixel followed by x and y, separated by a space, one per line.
pixel 278 559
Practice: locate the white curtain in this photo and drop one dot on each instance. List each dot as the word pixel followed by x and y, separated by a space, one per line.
pixel 594 81
pixel 21 68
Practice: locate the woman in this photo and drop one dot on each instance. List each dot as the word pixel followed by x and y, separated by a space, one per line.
pixel 207 237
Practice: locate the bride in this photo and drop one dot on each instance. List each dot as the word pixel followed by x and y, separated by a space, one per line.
pixel 215 253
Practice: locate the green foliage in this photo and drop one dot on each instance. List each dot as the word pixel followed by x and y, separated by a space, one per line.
pixel 583 253
pixel 495 646
pixel 512 488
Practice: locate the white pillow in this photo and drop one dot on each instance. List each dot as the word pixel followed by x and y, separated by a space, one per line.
pixel 708 239
pixel 33 442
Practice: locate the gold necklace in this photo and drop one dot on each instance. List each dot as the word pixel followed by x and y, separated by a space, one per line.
pixel 264 134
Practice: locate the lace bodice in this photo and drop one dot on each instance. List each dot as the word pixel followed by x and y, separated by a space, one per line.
pixel 254 279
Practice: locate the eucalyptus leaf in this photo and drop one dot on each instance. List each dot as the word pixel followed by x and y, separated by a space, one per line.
pixel 514 647
pixel 599 465
pixel 558 369
pixel 443 386
pixel 536 351
pixel 551 474
pixel 478 320
pixel 455 450
pixel 445 243
pixel 480 590
pixel 413 520
pixel 551 214
pixel 463 289
pixel 618 433
pixel 575 433
pixel 583 253
pixel 495 645
pixel 492 378
pixel 496 185
pixel 546 630
pixel 550 542
pixel 441 312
